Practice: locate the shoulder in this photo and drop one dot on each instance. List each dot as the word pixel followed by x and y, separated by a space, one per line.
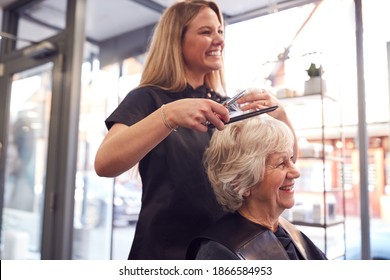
pixel 150 95
pixel 211 250
pixel 147 98
pixel 240 231
pixel 146 90
pixel 137 104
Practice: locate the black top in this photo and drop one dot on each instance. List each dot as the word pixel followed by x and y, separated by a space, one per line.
pixel 233 238
pixel 177 199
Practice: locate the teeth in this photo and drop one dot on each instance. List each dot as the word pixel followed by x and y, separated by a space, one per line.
pixel 286 188
pixel 216 53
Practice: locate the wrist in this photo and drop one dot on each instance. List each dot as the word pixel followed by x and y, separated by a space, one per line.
pixel 165 120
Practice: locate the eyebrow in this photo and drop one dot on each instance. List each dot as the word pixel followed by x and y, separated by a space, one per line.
pixel 208 27
pixel 284 156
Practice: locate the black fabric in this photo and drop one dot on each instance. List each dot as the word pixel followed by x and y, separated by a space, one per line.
pixel 177 199
pixel 234 237
pixel 245 239
pixel 287 243
pixel 211 250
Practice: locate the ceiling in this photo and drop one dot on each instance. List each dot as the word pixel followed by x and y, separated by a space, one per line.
pixel 4 3
pixel 108 19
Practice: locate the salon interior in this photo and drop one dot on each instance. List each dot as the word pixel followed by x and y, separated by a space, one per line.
pixel 66 64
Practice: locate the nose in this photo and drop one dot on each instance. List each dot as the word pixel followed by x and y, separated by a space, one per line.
pixel 218 39
pixel 293 172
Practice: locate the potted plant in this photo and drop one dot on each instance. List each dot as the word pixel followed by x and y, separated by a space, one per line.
pixel 315 84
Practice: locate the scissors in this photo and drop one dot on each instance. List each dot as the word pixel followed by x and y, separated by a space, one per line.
pixel 231 102
pixel 230 105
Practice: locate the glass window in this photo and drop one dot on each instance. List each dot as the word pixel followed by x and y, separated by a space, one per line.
pixel 255 47
pixel 25 168
pixel 376 78
pixel 41 20
pixel 93 194
pixel 106 209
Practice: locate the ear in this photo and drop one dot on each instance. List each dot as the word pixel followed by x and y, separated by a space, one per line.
pixel 247 193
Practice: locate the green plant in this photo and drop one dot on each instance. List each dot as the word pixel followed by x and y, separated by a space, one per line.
pixel 313 71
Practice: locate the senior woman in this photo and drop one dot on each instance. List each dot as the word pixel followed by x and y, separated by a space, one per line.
pixel 251 170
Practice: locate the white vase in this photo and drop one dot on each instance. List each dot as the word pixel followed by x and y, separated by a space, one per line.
pixel 314 85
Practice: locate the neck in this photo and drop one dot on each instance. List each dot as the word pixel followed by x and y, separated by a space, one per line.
pixel 195 80
pixel 264 220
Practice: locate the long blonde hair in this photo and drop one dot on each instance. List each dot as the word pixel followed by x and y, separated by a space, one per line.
pixel 164 66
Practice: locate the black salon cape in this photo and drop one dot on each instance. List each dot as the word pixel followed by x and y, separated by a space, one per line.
pixel 233 238
pixel 177 199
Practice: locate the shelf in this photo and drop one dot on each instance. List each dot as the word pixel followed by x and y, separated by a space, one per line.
pixel 318 225
pixel 321 158
pixel 320 192
pixel 305 99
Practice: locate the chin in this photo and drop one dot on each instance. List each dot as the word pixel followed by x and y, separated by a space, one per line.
pixel 290 204
pixel 215 66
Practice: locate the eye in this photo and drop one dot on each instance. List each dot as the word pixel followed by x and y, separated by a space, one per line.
pixel 220 32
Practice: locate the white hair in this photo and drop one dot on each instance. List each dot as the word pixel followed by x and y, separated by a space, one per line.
pixel 236 157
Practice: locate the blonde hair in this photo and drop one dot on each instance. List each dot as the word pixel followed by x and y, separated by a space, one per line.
pixel 236 157
pixel 164 66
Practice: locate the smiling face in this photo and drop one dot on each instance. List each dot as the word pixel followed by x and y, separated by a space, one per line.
pixel 275 192
pixel 202 45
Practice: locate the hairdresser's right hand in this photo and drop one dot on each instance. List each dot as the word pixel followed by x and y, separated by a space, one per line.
pixel 194 113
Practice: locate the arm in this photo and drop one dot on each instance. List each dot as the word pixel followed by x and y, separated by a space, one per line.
pixel 124 146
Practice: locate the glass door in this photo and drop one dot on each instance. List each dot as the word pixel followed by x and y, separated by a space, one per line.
pixel 25 163
pixel 40 70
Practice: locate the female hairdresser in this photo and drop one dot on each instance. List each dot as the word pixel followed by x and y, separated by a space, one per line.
pixel 160 124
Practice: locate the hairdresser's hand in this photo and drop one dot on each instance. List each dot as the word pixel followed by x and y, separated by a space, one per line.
pixel 195 113
pixel 256 98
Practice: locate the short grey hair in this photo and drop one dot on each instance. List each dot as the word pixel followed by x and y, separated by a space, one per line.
pixel 236 157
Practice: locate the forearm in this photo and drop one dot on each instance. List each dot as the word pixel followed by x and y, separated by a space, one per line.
pixel 124 146
pixel 284 118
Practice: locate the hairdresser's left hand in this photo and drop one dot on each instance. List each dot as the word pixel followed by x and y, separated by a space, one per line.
pixel 256 98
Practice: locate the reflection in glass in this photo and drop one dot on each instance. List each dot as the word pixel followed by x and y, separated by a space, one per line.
pixel 26 163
